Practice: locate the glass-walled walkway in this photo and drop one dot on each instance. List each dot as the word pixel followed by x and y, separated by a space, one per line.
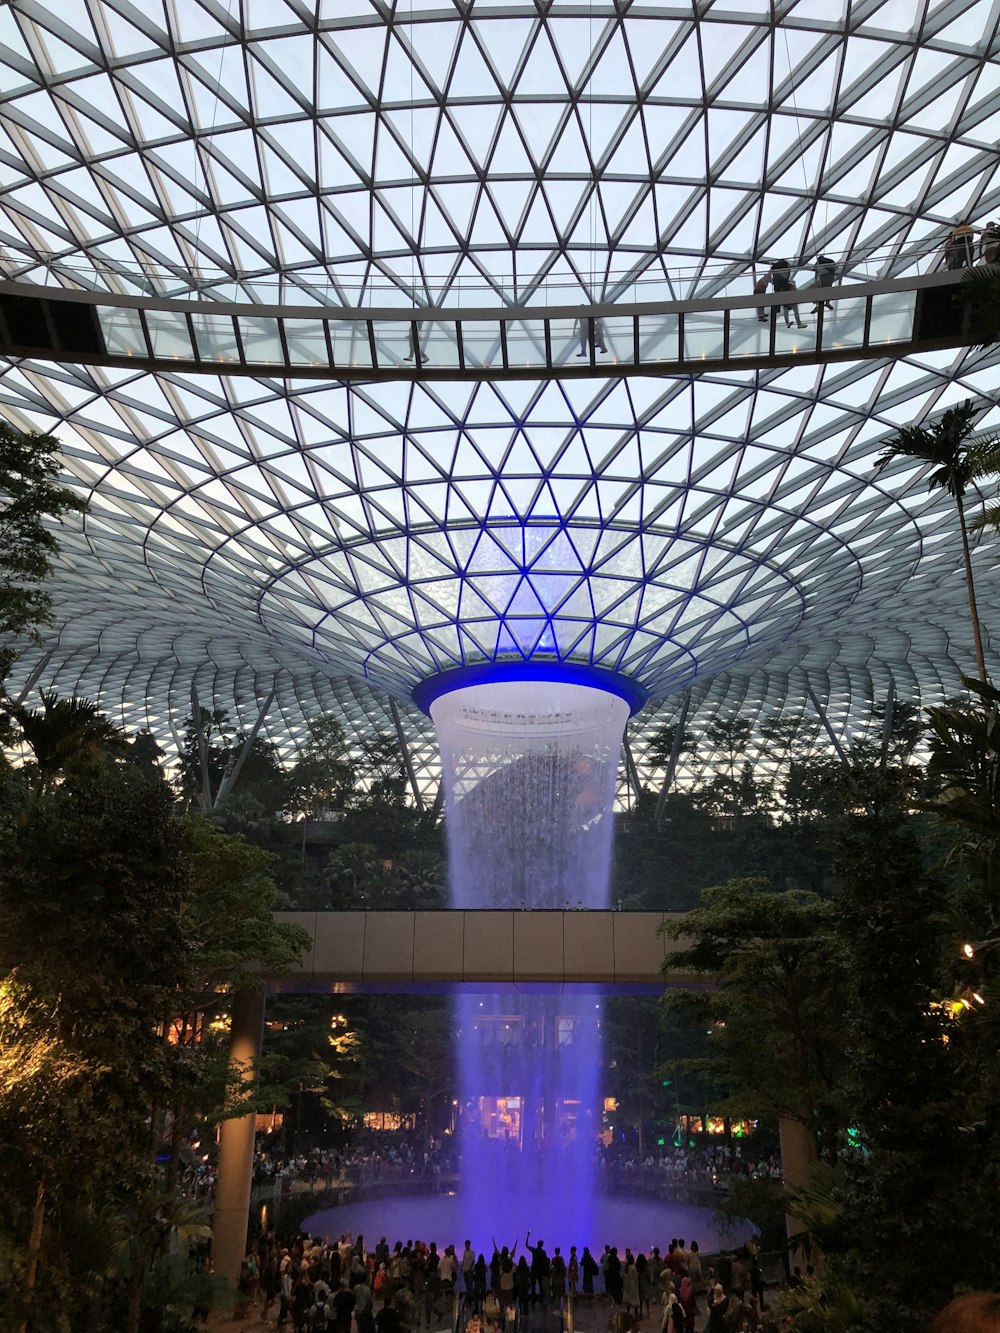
pixel 845 322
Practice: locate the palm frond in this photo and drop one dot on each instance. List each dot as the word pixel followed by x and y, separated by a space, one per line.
pixel 984 456
pixel 988 520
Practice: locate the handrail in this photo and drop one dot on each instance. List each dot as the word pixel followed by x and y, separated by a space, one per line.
pixel 883 317
pixel 481 314
pixel 100 273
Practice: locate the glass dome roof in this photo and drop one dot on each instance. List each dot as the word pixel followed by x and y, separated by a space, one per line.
pixel 721 533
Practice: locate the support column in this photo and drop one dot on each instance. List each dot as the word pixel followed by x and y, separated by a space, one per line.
pixel 229 780
pixel 798 1153
pixel 890 699
pixel 199 729
pixel 675 750
pixel 232 1191
pixel 842 754
pixel 632 771
pixel 407 758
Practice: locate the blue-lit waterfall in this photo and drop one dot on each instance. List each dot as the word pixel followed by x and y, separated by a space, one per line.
pixel 530 769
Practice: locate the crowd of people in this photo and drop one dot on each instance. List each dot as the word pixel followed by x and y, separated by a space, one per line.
pixel 348 1287
pixel 671 1171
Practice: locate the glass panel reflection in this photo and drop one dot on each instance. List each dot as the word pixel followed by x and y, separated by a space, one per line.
pixel 892 317
pixel 216 337
pixel 526 342
pixel 306 342
pixel 844 325
pixel 481 341
pixel 349 339
pixel 619 337
pixel 261 341
pixel 659 337
pixel 750 332
pixel 440 344
pixel 168 335
pixel 398 341
pixel 703 335
pixel 122 329
pixel 564 341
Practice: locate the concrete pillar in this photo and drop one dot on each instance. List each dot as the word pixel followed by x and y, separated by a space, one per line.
pixel 798 1152
pixel 232 1192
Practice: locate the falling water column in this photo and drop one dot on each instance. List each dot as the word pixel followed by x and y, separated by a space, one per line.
pixel 529 759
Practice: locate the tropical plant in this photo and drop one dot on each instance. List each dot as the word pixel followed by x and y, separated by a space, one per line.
pixel 964 765
pixel 29 495
pixel 980 293
pixel 776 1011
pixel 944 447
pixel 64 733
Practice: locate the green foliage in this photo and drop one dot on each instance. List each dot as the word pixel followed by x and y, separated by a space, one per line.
pixel 829 1306
pixel 360 874
pixel 312 1053
pixel 92 881
pixel 66 735
pixel 323 776
pixel 777 1010
pixel 30 499
pixel 818 1205
pixel 122 921
pixel 173 1289
pixel 758 1200
pixel 964 766
pixel 232 936
pixel 980 293
pixel 943 445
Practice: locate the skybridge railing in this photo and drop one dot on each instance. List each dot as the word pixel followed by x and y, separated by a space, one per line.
pixel 396 279
pixel 845 322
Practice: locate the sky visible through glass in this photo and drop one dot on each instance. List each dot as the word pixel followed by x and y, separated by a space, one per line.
pixel 721 533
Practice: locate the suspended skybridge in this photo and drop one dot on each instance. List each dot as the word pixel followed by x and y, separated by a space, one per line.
pixel 868 319
pixel 491 950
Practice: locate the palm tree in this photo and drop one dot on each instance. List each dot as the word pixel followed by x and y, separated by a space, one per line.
pixel 65 731
pixel 944 447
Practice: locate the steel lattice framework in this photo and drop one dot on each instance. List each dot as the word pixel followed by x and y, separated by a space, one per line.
pixel 337 543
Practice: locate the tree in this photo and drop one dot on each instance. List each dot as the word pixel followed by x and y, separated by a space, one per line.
pixel 661 745
pixel 29 496
pixel 91 886
pixel 776 1013
pixel 980 293
pixel 310 1059
pixel 926 1168
pixel 124 925
pixel 944 447
pixel 66 734
pixel 323 775
pixel 205 756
